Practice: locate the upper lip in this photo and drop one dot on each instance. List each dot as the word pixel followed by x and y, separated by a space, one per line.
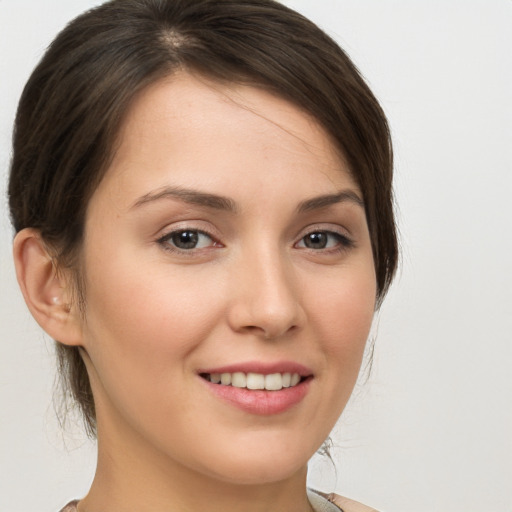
pixel 261 367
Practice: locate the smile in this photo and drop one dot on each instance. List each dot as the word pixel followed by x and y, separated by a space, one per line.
pixel 254 381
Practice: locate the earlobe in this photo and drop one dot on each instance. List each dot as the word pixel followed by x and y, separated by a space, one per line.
pixel 47 292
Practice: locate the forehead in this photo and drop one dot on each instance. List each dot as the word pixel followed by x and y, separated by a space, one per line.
pixel 197 132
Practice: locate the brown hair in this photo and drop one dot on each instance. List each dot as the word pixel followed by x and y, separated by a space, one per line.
pixel 73 104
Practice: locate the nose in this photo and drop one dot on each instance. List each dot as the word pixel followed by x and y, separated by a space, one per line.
pixel 266 298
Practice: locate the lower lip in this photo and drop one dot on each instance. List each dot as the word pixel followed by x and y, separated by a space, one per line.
pixel 261 402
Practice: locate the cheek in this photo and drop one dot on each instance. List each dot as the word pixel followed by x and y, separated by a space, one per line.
pixel 343 319
pixel 141 329
pixel 130 296
pixel 139 321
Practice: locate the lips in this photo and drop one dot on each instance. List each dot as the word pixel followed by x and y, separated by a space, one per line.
pixel 258 388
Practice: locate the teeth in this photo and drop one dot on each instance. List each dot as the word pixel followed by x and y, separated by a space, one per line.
pixel 274 382
pixel 255 381
pixel 225 379
pixel 239 380
pixel 271 382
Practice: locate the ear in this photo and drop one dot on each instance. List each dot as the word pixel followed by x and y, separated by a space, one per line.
pixel 47 292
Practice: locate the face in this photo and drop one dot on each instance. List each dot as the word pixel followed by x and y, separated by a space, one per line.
pixel 227 242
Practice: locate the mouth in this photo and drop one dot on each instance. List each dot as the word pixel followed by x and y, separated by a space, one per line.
pixel 261 388
pixel 255 381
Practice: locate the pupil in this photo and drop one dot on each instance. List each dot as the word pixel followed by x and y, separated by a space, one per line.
pixel 316 240
pixel 185 239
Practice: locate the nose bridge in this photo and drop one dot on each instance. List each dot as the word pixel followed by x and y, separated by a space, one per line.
pixel 267 300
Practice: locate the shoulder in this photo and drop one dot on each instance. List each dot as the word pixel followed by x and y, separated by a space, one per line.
pixel 348 505
pixel 70 507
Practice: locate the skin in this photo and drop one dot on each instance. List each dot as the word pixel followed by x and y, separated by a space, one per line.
pixel 252 290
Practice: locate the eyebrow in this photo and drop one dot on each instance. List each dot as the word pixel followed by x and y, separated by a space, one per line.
pixel 317 203
pixel 217 202
pixel 188 196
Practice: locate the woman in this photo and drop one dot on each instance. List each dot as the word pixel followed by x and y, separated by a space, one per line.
pixel 201 192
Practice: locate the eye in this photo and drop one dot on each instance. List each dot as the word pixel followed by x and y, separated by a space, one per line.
pixel 324 240
pixel 186 240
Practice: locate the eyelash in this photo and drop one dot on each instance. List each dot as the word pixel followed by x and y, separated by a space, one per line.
pixel 343 243
pixel 166 240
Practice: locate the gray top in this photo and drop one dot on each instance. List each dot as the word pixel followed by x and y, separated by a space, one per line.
pixel 320 504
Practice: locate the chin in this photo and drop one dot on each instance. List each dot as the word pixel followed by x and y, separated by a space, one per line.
pixel 246 473
pixel 259 464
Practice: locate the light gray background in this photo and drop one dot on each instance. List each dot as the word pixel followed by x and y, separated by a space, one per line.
pixel 432 429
